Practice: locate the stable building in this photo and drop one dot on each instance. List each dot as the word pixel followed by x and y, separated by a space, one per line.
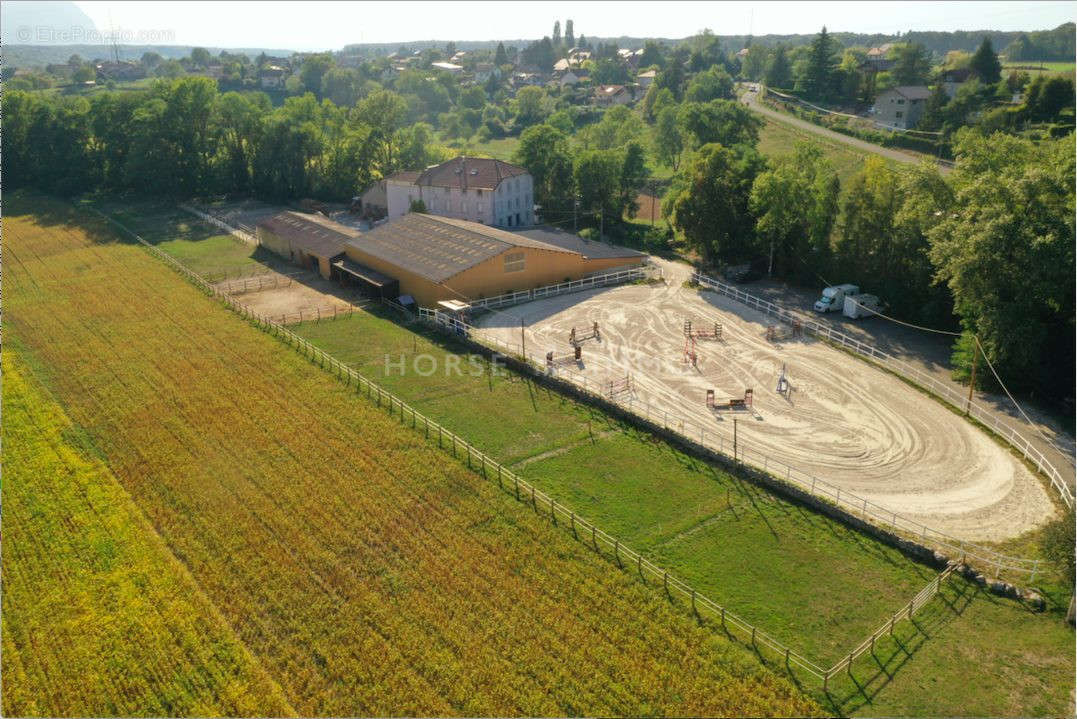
pixel 441 258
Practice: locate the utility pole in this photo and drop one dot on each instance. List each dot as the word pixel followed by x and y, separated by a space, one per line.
pixel 972 378
pixel 734 439
pixel 523 341
pixel 654 199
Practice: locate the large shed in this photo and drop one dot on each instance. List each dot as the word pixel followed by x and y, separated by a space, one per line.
pixel 440 258
pixel 309 240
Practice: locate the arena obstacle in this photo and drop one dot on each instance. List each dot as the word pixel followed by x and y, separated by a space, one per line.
pixel 574 337
pixel 552 360
pixel 775 333
pixel 715 334
pixel 616 387
pixel 731 404
pixel 783 382
pixel 690 351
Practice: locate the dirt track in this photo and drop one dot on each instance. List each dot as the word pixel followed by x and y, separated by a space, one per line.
pixel 844 421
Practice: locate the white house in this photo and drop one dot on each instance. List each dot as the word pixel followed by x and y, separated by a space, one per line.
pixel 467 188
pixel 448 67
pixel 646 78
pixel 901 107
pixel 608 95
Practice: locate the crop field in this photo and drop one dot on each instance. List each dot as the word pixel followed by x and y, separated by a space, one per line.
pixel 76 549
pixel 362 571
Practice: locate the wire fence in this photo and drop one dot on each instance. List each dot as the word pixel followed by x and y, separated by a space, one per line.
pixel 255 283
pixel 903 369
pixel 740 451
pixel 543 504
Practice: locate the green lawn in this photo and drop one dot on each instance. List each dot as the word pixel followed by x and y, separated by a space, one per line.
pixel 1033 67
pixel 777 139
pixel 806 580
pixel 499 149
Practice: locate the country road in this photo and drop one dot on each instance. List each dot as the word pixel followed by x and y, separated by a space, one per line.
pixel 751 99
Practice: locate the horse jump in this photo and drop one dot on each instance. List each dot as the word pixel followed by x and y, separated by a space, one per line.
pixel 733 403
pixel 574 337
pixel 783 382
pixel 777 332
pixel 707 334
pixel 615 387
pixel 552 361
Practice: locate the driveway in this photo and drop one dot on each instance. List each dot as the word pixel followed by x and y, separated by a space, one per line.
pixel 751 99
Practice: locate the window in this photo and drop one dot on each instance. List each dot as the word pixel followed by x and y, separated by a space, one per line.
pixel 901 101
pixel 898 114
pixel 514 262
pixel 480 192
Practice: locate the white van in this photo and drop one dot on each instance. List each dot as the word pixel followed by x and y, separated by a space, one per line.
pixel 833 299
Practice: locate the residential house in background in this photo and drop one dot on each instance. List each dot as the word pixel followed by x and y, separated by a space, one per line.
pixel 482 190
pixel 448 67
pixel 876 58
pixel 272 76
pixel 609 95
pixel 646 79
pixel 901 107
pixel 953 79
pixel 484 70
pixel 120 71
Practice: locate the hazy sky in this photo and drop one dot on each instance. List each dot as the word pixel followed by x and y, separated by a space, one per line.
pixel 331 25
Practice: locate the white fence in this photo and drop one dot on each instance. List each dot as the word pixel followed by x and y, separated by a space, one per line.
pixel 558 515
pixel 741 451
pixel 247 234
pixel 608 278
pixel 942 390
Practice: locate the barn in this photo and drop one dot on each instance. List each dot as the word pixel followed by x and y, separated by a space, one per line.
pixel 442 258
pixel 436 258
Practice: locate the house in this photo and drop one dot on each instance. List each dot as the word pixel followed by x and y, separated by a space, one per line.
pixel 952 80
pixel 120 71
pixel 483 190
pixel 646 79
pixel 876 60
pixel 562 65
pixel 901 107
pixel 609 95
pixel 523 79
pixel 485 70
pixel 309 240
pixel 572 77
pixel 458 57
pixel 742 53
pixel 448 67
pixel 435 258
pixel 272 76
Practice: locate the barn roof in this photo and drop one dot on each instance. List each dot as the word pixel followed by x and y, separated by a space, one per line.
pixel 590 249
pixel 315 234
pixel 438 248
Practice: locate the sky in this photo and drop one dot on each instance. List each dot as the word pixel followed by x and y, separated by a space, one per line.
pixel 331 25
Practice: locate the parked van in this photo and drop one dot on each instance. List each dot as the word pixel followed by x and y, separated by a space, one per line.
pixel 833 299
pixel 857 306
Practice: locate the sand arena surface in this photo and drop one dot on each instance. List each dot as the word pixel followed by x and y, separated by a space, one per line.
pixel 844 421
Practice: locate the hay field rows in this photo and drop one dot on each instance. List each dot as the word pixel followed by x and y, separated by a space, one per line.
pixel 361 570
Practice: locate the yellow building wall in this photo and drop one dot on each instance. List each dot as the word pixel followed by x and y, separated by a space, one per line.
pixel 488 279
pixel 273 242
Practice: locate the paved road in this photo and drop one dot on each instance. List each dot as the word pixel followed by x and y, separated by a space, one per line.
pixel 751 99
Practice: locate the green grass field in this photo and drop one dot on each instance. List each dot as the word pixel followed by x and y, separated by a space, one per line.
pixel 1034 68
pixel 808 581
pixel 777 139
pixel 364 570
pixel 497 148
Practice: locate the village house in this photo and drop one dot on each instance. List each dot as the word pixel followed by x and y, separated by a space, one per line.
pixel 490 192
pixel 272 76
pixel 485 70
pixel 609 95
pixel 953 79
pixel 448 67
pixel 901 107
pixel 646 79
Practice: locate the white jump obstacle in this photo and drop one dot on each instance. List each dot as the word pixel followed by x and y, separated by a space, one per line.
pixel 553 360
pixel 783 382
pixel 780 332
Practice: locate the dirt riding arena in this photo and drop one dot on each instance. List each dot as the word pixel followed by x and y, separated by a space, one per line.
pixel 296 296
pixel 839 418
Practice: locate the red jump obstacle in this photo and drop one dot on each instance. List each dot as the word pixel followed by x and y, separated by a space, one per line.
pixel 707 334
pixel 552 361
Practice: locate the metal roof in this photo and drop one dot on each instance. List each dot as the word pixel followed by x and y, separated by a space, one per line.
pixel 438 248
pixel 590 249
pixel 314 234
pixel 469 172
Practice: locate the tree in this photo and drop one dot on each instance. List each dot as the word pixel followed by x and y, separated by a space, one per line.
pixel 911 64
pixel 795 203
pixel 540 54
pixel 313 70
pixel 384 112
pixel 556 37
pixel 710 204
pixel 1005 248
pixel 532 106
pixel 544 151
pixel 633 175
pixel 933 116
pixel 722 121
pixel 1046 97
pixel 653 54
pixel 820 66
pixel 667 138
pixel 84 73
pixel 500 57
pixel 341 86
pixel 671 76
pixel 1057 542
pixel 149 60
pixel 712 84
pixel 200 57
pixel 985 64
pixel 597 177
pixel 779 72
pixel 609 72
pixel 570 37
pixel 755 63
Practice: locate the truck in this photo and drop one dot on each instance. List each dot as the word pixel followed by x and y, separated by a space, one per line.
pixel 833 299
pixel 857 306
